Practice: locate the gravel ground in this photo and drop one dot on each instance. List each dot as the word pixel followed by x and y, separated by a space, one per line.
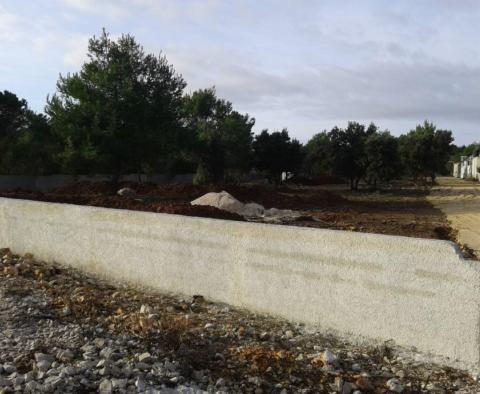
pixel 64 332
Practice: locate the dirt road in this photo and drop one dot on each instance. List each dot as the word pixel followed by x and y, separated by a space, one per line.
pixel 460 201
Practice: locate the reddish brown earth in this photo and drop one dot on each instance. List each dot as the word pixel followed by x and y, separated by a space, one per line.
pixel 402 211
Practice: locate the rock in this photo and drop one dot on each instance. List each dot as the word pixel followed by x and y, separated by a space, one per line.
pixel 52 382
pixel 105 387
pixel 65 356
pixel 8 368
pixel 356 367
pixel 252 210
pixel 140 384
pixel 328 357
pixel 348 388
pixel 126 192
pixel 394 385
pixel 289 334
pixel 44 357
pixel 32 387
pixel 109 353
pixel 29 376
pixel 146 309
pixel 99 343
pixel 119 384
pixel 43 365
pixel 145 358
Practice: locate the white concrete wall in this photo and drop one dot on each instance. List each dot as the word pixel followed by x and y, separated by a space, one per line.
pixel 475 168
pixel 417 292
pixel 456 170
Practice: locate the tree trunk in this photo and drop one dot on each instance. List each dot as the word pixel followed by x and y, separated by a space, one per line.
pixel 356 183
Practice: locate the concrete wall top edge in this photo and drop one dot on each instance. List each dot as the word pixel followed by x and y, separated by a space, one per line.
pixel 437 247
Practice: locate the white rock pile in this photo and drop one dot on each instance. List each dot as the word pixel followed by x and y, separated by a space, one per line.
pixel 251 211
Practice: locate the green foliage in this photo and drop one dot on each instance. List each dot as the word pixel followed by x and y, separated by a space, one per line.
pixel 222 137
pixel 318 156
pixel 348 151
pixel 120 113
pixel 275 153
pixel 27 145
pixel 383 162
pixel 465 150
pixel 125 112
pixel 425 151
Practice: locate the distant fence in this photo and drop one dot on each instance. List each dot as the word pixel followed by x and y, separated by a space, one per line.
pixel 49 182
pixel 417 292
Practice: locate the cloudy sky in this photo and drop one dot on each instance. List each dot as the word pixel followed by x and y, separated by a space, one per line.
pixel 303 64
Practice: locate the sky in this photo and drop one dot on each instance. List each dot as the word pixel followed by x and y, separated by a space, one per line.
pixel 307 65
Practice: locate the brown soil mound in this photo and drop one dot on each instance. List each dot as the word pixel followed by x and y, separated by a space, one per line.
pixel 284 198
pixel 117 202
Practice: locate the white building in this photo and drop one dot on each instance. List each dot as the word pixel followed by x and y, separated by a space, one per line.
pixel 468 167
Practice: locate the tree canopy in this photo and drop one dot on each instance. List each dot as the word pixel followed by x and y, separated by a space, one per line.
pixel 125 111
pixel 222 137
pixel 26 142
pixel 275 153
pixel 120 113
pixel 425 151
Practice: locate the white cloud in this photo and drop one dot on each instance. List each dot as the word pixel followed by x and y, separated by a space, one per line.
pixel 75 52
pixel 166 10
pixel 298 63
pixel 109 8
pixel 9 26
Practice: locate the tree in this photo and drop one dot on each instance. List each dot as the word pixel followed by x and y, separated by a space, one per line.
pixel 120 113
pixel 383 162
pixel 348 151
pixel 222 137
pixel 425 151
pixel 318 155
pixel 28 147
pixel 275 153
pixel 13 120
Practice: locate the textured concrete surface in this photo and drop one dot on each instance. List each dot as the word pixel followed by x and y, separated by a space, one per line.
pixel 417 292
pixel 460 201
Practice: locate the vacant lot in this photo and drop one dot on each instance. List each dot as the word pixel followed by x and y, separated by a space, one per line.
pixel 460 201
pixel 403 210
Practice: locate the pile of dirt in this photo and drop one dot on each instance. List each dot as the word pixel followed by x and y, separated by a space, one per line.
pixel 222 200
pixel 269 197
pixel 403 210
pixel 285 198
pixel 86 188
pixel 118 202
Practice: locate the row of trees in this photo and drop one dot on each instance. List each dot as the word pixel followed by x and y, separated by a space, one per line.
pixel 365 153
pixel 125 111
